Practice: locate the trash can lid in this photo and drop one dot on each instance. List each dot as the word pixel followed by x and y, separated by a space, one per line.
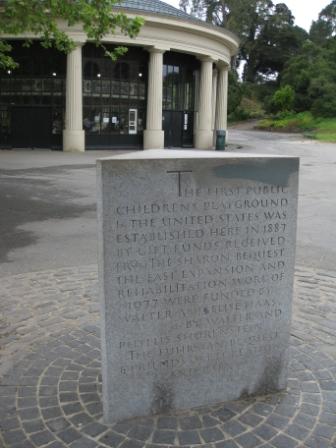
pixel 220 132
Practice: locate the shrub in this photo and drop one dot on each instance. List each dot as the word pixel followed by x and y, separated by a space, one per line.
pixel 249 108
pixel 325 106
pixel 283 99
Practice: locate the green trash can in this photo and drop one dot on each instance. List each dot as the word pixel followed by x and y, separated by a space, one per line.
pixel 220 140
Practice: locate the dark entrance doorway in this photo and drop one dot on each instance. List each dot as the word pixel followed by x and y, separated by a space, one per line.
pixel 178 129
pixel 178 99
pixel 31 127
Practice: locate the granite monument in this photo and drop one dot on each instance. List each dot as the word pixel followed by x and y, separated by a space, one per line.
pixel 196 265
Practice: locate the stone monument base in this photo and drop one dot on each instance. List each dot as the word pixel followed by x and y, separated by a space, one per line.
pixel 196 271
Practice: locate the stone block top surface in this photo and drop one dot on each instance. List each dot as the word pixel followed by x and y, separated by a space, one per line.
pixel 189 154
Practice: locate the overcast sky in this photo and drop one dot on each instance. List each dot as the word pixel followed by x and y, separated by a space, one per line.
pixel 305 11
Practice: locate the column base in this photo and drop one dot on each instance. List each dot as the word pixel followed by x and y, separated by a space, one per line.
pixel 203 139
pixel 73 141
pixel 153 139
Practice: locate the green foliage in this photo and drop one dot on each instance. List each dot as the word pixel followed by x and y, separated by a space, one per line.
pixel 248 109
pixel 319 128
pixel 325 106
pixel 289 122
pixel 286 69
pixel 283 99
pixel 325 27
pixel 6 61
pixel 243 103
pixel 266 31
pixel 249 105
pixel 276 41
pixel 326 130
pixel 235 92
pixel 312 71
pixel 50 19
pixel 312 75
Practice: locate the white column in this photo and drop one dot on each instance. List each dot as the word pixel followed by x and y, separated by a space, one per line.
pixel 153 134
pixel 204 133
pixel 222 98
pixel 196 101
pixel 73 134
pixel 214 96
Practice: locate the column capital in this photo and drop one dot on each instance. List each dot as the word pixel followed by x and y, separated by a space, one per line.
pixel 205 58
pixel 221 65
pixel 157 50
pixel 79 39
pixel 79 44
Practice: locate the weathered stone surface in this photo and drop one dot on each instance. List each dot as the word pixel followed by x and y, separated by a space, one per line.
pixel 196 270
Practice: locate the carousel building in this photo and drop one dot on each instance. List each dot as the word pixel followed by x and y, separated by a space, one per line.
pixel 169 90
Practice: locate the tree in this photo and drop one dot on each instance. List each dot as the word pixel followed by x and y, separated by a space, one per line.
pixel 271 43
pixel 240 16
pixel 325 27
pixel 248 19
pixel 243 17
pixel 276 42
pixel 193 7
pixel 49 20
pixel 266 31
pixel 312 75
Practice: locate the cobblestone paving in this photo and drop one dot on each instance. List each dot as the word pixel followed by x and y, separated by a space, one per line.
pixel 50 389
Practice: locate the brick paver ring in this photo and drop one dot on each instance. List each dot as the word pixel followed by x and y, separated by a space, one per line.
pixel 50 391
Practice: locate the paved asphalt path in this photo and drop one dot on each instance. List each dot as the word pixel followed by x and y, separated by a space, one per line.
pixel 48 203
pixel 50 367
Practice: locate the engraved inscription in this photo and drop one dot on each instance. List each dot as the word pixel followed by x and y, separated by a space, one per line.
pixel 179 179
pixel 205 273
